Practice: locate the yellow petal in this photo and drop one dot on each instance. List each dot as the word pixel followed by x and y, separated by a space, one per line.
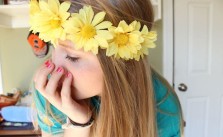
pixel 54 6
pixel 112 49
pixel 82 15
pixel 145 51
pixel 124 26
pixel 34 7
pixel 74 14
pixel 63 35
pixel 73 30
pixel 133 48
pixel 91 45
pixel 149 44
pixel 135 25
pixel 88 45
pixel 112 29
pixel 65 6
pixel 134 38
pixel 82 41
pixel 137 57
pixel 99 17
pixel 141 39
pixel 44 37
pixel 63 10
pixel 119 30
pixel 102 42
pixel 43 5
pixel 76 22
pixel 123 52
pixel 44 28
pixel 103 25
pixel 105 34
pixel 145 30
pixel 89 14
pixel 58 33
pixel 95 47
pixel 152 35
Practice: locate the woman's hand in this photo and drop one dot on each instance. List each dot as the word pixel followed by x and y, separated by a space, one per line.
pixel 60 98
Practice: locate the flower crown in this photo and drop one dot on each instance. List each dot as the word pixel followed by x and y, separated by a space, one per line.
pixel 89 31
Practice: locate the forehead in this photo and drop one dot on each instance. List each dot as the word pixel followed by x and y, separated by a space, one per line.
pixel 70 47
pixel 67 44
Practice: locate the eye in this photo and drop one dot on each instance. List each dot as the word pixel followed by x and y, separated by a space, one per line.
pixel 72 59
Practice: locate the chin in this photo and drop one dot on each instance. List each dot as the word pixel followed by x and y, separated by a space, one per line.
pixel 76 95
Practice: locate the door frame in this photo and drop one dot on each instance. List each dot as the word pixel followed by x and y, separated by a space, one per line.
pixel 1 80
pixel 168 40
pixel 1 76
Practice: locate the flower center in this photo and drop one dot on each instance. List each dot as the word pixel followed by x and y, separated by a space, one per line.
pixel 55 23
pixel 88 31
pixel 121 39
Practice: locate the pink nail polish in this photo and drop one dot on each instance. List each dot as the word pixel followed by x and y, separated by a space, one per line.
pixel 68 74
pixel 47 63
pixel 59 69
pixel 48 66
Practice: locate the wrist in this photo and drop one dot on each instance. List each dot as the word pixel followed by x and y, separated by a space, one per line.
pixel 88 123
pixel 72 124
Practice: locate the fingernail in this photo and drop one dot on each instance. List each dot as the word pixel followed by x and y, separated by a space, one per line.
pixel 47 63
pixel 59 69
pixel 48 66
pixel 68 74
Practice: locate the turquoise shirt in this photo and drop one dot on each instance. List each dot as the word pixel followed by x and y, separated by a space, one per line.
pixel 167 116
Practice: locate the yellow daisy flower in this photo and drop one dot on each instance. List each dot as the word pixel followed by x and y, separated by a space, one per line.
pixel 127 40
pixel 88 31
pixel 149 39
pixel 50 20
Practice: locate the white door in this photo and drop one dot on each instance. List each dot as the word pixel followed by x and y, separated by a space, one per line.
pixel 198 64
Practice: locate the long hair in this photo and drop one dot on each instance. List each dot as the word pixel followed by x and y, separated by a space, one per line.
pixel 127 104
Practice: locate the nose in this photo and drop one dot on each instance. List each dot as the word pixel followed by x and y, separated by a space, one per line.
pixel 58 59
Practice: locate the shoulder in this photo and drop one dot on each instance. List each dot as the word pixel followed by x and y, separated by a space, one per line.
pixel 168 113
pixel 166 99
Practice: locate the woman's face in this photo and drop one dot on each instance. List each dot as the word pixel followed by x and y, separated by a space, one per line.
pixel 84 66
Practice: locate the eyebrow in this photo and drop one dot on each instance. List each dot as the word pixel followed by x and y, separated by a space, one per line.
pixel 70 48
pixel 66 45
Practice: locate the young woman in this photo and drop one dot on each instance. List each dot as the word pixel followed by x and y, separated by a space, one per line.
pixel 99 83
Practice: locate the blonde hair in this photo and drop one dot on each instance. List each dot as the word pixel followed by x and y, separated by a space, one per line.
pixel 127 106
pixel 127 103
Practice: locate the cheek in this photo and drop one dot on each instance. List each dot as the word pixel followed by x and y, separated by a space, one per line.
pixel 88 81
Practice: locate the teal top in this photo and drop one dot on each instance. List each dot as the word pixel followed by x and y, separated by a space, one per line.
pixel 167 114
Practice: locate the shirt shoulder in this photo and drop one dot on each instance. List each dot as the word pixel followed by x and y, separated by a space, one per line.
pixel 168 113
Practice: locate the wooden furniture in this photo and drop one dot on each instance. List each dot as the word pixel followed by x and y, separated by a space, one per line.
pixel 20 133
pixel 9 101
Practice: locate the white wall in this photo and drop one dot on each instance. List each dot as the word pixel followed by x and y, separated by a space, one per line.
pixel 156 54
pixel 17 59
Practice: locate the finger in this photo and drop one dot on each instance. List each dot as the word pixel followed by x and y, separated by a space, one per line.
pixel 38 71
pixel 54 81
pixel 42 76
pixel 40 68
pixel 66 90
